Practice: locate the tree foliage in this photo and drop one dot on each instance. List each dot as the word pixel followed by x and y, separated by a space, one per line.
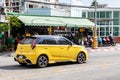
pixel 4 27
pixel 13 22
pixel 93 3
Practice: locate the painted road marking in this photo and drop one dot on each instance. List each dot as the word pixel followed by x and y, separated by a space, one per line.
pixel 103 49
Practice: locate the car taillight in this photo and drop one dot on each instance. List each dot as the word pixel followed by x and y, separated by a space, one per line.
pixel 33 44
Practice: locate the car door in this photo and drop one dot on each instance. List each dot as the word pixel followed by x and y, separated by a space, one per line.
pixel 66 48
pixel 51 47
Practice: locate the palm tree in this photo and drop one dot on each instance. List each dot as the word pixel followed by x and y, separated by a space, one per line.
pixel 93 3
pixel 14 22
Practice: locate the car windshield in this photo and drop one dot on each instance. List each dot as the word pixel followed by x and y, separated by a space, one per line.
pixel 27 40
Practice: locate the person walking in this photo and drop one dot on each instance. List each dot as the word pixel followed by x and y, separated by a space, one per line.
pixel 111 38
pixel 17 40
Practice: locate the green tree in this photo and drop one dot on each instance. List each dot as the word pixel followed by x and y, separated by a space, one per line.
pixel 4 27
pixel 93 3
pixel 14 22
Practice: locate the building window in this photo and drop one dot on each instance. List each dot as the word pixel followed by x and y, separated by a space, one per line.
pixel 115 31
pixel 116 21
pixel 17 3
pixel 30 6
pixel 83 14
pixel 92 14
pixel 107 33
pixel 108 14
pixel 89 15
pixel 102 31
pixel 102 14
pixel 108 30
pixel 116 15
pixel 98 14
pixel 22 3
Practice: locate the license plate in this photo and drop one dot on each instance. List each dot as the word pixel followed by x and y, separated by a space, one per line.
pixel 20 57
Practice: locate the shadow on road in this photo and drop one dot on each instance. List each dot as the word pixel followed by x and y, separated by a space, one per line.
pixel 16 67
pixel 19 67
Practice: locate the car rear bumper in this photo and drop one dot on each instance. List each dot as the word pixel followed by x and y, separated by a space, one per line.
pixel 23 59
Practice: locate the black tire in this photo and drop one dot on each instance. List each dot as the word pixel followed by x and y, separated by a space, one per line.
pixel 42 61
pixel 23 64
pixel 81 58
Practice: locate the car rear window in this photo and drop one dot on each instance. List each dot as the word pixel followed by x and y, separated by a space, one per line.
pixel 27 40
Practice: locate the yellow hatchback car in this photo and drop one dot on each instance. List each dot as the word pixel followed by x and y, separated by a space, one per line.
pixel 41 50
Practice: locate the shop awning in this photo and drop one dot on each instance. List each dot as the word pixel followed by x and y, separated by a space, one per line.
pixel 55 21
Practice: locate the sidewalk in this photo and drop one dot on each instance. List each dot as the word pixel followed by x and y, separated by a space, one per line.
pixel 106 48
pixel 7 53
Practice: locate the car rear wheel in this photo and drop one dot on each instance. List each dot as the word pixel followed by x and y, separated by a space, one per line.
pixel 42 61
pixel 81 58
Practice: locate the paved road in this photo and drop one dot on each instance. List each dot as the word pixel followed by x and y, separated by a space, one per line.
pixel 102 65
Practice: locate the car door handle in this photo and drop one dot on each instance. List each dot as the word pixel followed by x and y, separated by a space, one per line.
pixel 46 48
pixel 61 48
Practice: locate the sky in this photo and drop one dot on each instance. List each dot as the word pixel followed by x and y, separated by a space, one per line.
pixel 111 3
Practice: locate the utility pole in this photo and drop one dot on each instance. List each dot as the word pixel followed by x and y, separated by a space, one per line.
pixel 95 41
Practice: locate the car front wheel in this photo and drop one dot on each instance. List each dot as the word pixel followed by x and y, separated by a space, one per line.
pixel 81 58
pixel 42 61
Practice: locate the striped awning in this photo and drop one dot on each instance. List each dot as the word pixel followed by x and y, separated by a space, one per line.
pixel 55 21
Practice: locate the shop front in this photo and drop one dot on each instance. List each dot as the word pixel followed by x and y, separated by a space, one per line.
pixel 56 25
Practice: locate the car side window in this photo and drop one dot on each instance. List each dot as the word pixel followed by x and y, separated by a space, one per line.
pixel 40 41
pixel 63 41
pixel 46 41
pixel 50 41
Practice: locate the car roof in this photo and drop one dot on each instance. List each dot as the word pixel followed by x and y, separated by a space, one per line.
pixel 54 36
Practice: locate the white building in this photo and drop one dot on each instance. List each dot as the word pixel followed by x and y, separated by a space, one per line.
pixel 107 19
pixel 40 5
pixel 27 7
pixel 2 11
pixel 55 10
pixel 76 11
pixel 9 6
pixel 46 9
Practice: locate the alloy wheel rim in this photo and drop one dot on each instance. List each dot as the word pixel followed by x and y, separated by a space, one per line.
pixel 42 61
pixel 81 58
